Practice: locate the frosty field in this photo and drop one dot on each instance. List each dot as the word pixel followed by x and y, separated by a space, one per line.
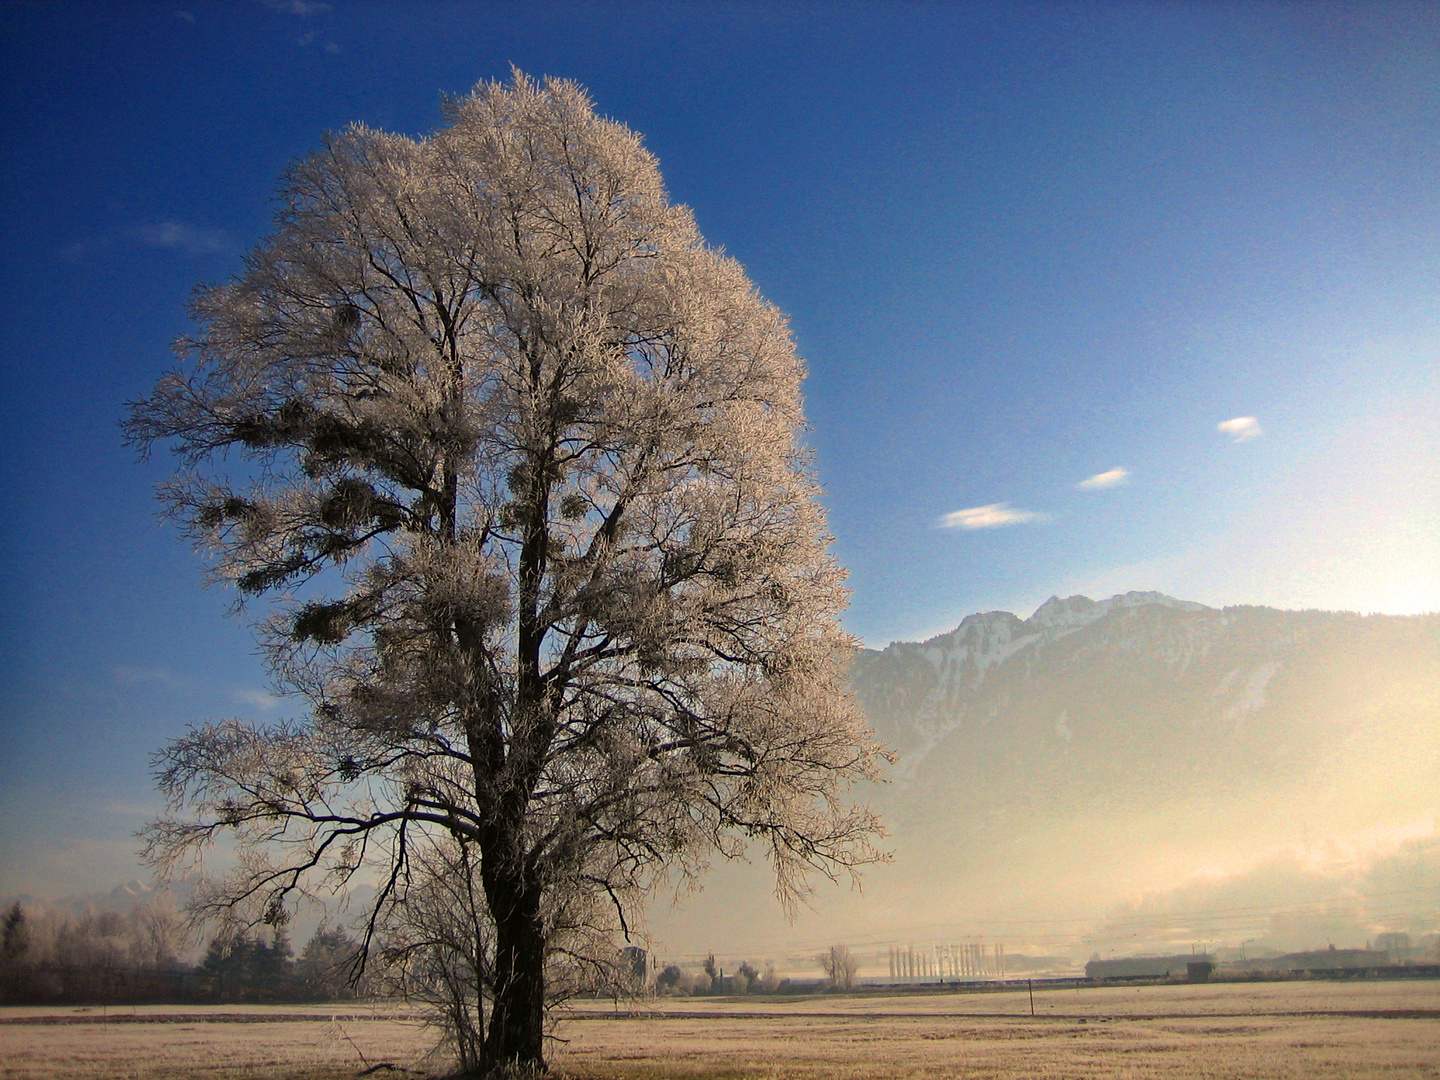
pixel 1309 1030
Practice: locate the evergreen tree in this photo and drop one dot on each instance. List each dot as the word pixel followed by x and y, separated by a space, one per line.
pixel 15 942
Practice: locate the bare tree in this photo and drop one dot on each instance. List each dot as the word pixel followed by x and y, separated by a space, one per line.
pixel 440 945
pixel 516 457
pixel 840 967
pixel 159 933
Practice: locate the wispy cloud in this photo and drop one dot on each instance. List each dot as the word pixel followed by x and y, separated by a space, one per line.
pixel 128 675
pixel 186 239
pixel 1108 479
pixel 311 37
pixel 185 16
pixel 1241 428
pixel 989 517
pixel 79 249
pixel 257 699
pixel 177 236
pixel 303 8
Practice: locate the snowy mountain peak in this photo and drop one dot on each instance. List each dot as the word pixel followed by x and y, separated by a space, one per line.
pixel 1082 670
pixel 989 625
pixel 133 889
pixel 1073 611
pixel 1140 599
pixel 1077 611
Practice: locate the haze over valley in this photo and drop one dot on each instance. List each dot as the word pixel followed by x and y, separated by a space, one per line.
pixel 1136 773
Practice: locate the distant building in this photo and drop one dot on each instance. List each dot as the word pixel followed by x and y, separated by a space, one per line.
pixel 1331 959
pixel 1397 945
pixel 1196 966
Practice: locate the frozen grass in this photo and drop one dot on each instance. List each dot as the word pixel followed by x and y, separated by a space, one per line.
pixel 1306 1031
pixel 1276 1031
pixel 1202 999
pixel 214 1043
pixel 853 1048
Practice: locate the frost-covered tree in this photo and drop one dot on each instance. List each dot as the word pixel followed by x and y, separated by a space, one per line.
pixel 840 966
pixel 514 456
pixel 327 963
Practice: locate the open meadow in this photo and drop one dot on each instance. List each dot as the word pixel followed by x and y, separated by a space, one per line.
pixel 1309 1030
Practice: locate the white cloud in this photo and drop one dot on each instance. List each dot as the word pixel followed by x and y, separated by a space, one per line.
pixel 135 676
pixel 1241 428
pixel 303 8
pixel 79 249
pixel 178 236
pixel 185 16
pixel 1111 478
pixel 257 699
pixel 311 37
pixel 988 517
pixel 1352 525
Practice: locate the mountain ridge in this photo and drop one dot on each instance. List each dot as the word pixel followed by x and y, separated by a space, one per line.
pixel 1140 706
pixel 916 695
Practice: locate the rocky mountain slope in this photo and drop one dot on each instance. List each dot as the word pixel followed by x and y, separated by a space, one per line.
pixel 1128 738
pixel 1142 691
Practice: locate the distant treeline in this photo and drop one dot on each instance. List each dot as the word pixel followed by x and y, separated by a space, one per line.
pixel 746 979
pixel 105 957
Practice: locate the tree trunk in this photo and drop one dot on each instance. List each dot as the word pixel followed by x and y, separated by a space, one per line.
pixel 515 1039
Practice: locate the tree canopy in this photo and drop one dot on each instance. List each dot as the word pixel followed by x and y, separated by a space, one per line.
pixel 515 459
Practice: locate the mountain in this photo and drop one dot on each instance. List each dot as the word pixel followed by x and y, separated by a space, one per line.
pixel 1132 773
pixel 1114 749
pixel 1142 695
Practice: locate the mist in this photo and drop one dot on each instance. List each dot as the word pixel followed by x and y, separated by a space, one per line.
pixel 1141 775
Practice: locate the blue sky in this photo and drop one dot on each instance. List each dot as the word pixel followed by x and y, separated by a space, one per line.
pixel 1020 246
